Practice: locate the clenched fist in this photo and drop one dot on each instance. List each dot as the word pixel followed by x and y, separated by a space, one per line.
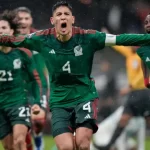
pixel 35 109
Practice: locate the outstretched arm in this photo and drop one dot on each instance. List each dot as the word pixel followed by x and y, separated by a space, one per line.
pixel 125 51
pixel 31 41
pixel 100 40
pixel 127 39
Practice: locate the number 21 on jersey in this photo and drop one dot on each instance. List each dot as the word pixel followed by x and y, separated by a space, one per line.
pixel 66 67
pixel 3 76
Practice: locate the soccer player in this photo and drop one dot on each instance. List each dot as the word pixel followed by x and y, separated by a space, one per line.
pixel 14 110
pixel 24 18
pixel 69 52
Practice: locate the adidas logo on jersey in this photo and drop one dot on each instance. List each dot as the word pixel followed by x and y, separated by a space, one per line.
pixel 52 51
pixel 87 116
pixel 147 59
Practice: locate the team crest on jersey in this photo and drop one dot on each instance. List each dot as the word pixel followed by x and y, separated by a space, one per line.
pixel 78 50
pixel 17 63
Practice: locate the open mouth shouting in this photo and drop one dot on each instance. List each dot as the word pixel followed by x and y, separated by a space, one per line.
pixel 64 28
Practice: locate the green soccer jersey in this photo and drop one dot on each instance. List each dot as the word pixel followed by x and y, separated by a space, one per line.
pixel 41 68
pixel 43 74
pixel 69 63
pixel 144 53
pixel 12 86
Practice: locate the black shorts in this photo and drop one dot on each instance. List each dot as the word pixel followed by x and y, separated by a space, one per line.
pixel 138 103
pixel 69 119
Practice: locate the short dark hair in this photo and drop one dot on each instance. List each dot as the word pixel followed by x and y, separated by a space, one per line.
pixel 8 16
pixel 22 9
pixel 61 3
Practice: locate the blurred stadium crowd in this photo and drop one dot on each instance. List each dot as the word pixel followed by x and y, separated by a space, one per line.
pixel 118 16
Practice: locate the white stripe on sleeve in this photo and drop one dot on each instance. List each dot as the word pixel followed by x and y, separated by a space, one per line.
pixel 110 40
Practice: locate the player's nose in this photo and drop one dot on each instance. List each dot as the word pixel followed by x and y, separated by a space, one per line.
pixel 23 22
pixel 63 17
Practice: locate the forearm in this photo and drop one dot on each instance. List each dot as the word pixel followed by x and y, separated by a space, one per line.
pixel 37 88
pixel 12 41
pixel 21 41
pixel 127 39
pixel 133 39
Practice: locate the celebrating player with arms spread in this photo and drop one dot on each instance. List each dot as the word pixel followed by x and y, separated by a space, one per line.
pixel 69 53
pixel 14 110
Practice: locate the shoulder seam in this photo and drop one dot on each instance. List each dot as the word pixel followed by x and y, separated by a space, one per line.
pixel 78 30
pixel 50 31
pixel 25 50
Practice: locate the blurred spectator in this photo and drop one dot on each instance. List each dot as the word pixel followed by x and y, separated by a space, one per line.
pixel 86 2
pixel 109 93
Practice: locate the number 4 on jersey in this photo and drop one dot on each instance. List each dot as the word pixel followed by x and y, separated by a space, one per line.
pixel 66 67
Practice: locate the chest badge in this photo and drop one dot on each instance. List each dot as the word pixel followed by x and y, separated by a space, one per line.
pixel 17 63
pixel 78 50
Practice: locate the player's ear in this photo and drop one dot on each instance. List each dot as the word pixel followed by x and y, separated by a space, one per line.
pixel 52 20
pixel 73 19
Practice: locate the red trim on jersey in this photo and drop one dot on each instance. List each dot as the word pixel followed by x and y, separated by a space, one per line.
pixel 32 30
pixel 70 129
pixel 75 30
pixel 50 31
pixel 94 106
pixel 37 78
pixel 27 51
pixel 5 38
pixel 43 32
pixel 78 30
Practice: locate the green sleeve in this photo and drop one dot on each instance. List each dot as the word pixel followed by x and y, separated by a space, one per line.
pixel 133 39
pixel 43 73
pixel 102 39
pixel 31 41
pixel 34 78
pixel 139 51
pixel 97 39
